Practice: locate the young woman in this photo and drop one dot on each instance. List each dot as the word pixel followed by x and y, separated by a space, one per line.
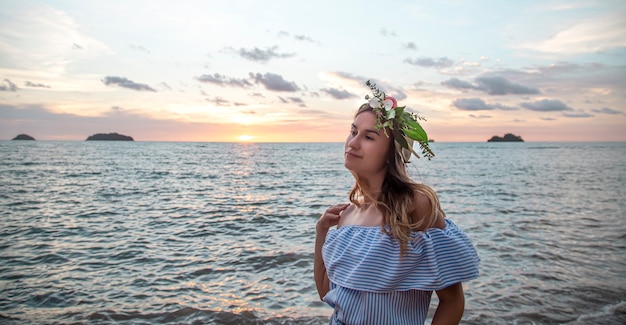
pixel 393 245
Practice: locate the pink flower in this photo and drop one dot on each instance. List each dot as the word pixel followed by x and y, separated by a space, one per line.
pixel 390 103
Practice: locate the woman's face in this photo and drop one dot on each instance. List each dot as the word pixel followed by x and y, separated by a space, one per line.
pixel 366 147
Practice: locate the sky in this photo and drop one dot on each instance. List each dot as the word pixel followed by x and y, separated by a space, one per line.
pixel 295 71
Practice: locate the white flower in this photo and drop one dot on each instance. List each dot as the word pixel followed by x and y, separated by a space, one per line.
pixel 388 104
pixel 374 102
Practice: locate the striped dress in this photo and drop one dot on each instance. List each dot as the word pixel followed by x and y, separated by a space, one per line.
pixel 371 284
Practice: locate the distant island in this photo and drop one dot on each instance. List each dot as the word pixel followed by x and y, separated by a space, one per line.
pixel 509 137
pixel 23 137
pixel 109 137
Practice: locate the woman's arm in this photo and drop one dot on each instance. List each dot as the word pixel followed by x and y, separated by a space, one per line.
pixel 451 305
pixel 319 269
pixel 328 219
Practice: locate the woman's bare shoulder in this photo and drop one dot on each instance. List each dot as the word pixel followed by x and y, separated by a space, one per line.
pixel 422 209
pixel 345 214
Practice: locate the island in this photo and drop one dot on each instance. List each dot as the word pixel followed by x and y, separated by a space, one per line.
pixel 109 137
pixel 509 137
pixel 23 137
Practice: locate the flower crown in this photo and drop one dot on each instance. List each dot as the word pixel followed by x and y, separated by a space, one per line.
pixel 402 124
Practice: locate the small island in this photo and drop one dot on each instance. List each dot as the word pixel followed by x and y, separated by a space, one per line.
pixel 109 137
pixel 509 137
pixel 23 137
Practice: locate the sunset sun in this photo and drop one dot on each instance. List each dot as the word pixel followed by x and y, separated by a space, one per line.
pixel 246 137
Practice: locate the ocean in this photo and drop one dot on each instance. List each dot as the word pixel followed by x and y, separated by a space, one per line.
pixel 222 233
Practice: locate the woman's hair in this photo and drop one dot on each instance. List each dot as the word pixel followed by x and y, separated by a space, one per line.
pixel 396 200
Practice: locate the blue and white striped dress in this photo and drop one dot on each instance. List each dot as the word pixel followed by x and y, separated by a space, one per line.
pixel 371 284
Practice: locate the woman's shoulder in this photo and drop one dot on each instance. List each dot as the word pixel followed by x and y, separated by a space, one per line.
pixel 426 211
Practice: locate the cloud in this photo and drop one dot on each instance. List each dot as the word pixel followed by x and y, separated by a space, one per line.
pixel 477 104
pixel 304 38
pixel 338 93
pixel 38 37
pixel 259 55
pixel 560 68
pixel 410 46
pixel 492 85
pixel 125 83
pixel 31 84
pixel 606 110
pixel 7 85
pixel 497 85
pixel 346 75
pixel 274 82
pixel 547 105
pixel 291 99
pixel 165 85
pixel 457 83
pixel 579 114
pixel 218 101
pixel 571 75
pixel 359 81
pixel 296 100
pixel 597 34
pixel 442 62
pixel 222 80
pixel 547 118
pixel 139 48
pixel 470 64
pixel 471 104
pixel 313 112
pixel 480 116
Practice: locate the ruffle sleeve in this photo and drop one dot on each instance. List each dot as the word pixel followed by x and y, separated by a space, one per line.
pixel 366 259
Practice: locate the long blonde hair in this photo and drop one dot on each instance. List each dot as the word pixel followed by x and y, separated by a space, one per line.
pixel 396 200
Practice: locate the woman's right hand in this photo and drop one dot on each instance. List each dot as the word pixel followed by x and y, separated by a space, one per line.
pixel 331 216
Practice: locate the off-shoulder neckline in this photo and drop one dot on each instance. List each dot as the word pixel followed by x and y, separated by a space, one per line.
pixel 448 224
pixel 357 226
